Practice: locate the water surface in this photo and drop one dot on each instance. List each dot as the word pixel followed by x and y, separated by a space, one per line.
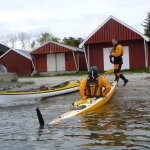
pixel 120 124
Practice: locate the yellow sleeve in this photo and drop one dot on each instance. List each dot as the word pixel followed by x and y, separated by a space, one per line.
pixel 105 84
pixel 118 51
pixel 82 87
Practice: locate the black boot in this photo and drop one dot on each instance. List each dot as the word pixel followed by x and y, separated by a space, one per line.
pixel 116 78
pixel 124 79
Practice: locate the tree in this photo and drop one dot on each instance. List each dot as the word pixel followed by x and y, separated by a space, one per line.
pixel 12 40
pixel 46 37
pixel 79 41
pixel 56 39
pixel 72 41
pixel 9 40
pixel 34 44
pixel 25 40
pixel 4 40
pixel 147 25
pixel 69 41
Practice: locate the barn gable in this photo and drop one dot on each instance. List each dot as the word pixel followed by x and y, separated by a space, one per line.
pixel 54 57
pixel 98 44
pixel 113 27
pixel 54 47
pixel 24 53
pixel 18 61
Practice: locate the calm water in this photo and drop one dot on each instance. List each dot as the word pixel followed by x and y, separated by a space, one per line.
pixel 116 126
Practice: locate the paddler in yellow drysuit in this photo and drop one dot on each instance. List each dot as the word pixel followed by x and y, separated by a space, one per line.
pixel 117 52
pixel 91 87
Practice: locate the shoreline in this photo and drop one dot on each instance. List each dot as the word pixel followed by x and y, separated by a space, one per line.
pixel 135 79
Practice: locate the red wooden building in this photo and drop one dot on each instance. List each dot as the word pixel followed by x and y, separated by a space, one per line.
pixel 18 61
pixel 148 54
pixel 98 44
pixel 54 56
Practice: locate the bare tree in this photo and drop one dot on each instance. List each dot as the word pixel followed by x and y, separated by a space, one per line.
pixel 4 40
pixel 34 44
pixel 25 40
pixel 12 40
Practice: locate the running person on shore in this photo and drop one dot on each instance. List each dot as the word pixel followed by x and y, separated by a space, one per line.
pixel 117 52
pixel 91 87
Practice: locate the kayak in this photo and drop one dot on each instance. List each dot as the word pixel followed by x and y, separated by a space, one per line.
pixel 83 108
pixel 65 87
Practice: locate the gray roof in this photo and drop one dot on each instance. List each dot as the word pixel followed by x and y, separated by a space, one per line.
pixel 3 48
pixel 23 52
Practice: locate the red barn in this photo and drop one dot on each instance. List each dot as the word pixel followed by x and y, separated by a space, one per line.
pixel 18 61
pixel 54 56
pixel 148 47
pixel 98 44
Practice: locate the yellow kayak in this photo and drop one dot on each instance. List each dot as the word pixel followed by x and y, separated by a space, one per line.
pixel 65 87
pixel 83 108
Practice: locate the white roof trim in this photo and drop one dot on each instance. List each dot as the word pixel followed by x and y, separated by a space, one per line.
pixel 5 53
pixel 22 53
pixel 63 45
pixel 112 17
pixel 68 46
pixel 15 51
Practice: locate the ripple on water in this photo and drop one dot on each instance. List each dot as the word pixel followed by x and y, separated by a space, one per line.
pixel 116 125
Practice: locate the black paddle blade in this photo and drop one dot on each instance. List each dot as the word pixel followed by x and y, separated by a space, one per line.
pixel 40 118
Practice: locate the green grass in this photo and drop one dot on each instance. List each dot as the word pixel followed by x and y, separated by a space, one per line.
pixel 37 76
pixel 140 70
pixel 81 73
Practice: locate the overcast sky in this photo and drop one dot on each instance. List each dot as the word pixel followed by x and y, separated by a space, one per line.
pixel 65 18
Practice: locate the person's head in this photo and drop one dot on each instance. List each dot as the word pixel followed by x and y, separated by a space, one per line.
pixel 115 41
pixel 93 72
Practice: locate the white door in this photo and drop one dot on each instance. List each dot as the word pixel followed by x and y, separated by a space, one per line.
pixel 126 62
pixel 60 59
pixel 108 65
pixel 51 63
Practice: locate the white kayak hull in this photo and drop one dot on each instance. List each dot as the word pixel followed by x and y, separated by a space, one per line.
pixel 69 86
pixel 13 98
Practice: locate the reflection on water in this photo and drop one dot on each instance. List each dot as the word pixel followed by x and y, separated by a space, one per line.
pixel 117 125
